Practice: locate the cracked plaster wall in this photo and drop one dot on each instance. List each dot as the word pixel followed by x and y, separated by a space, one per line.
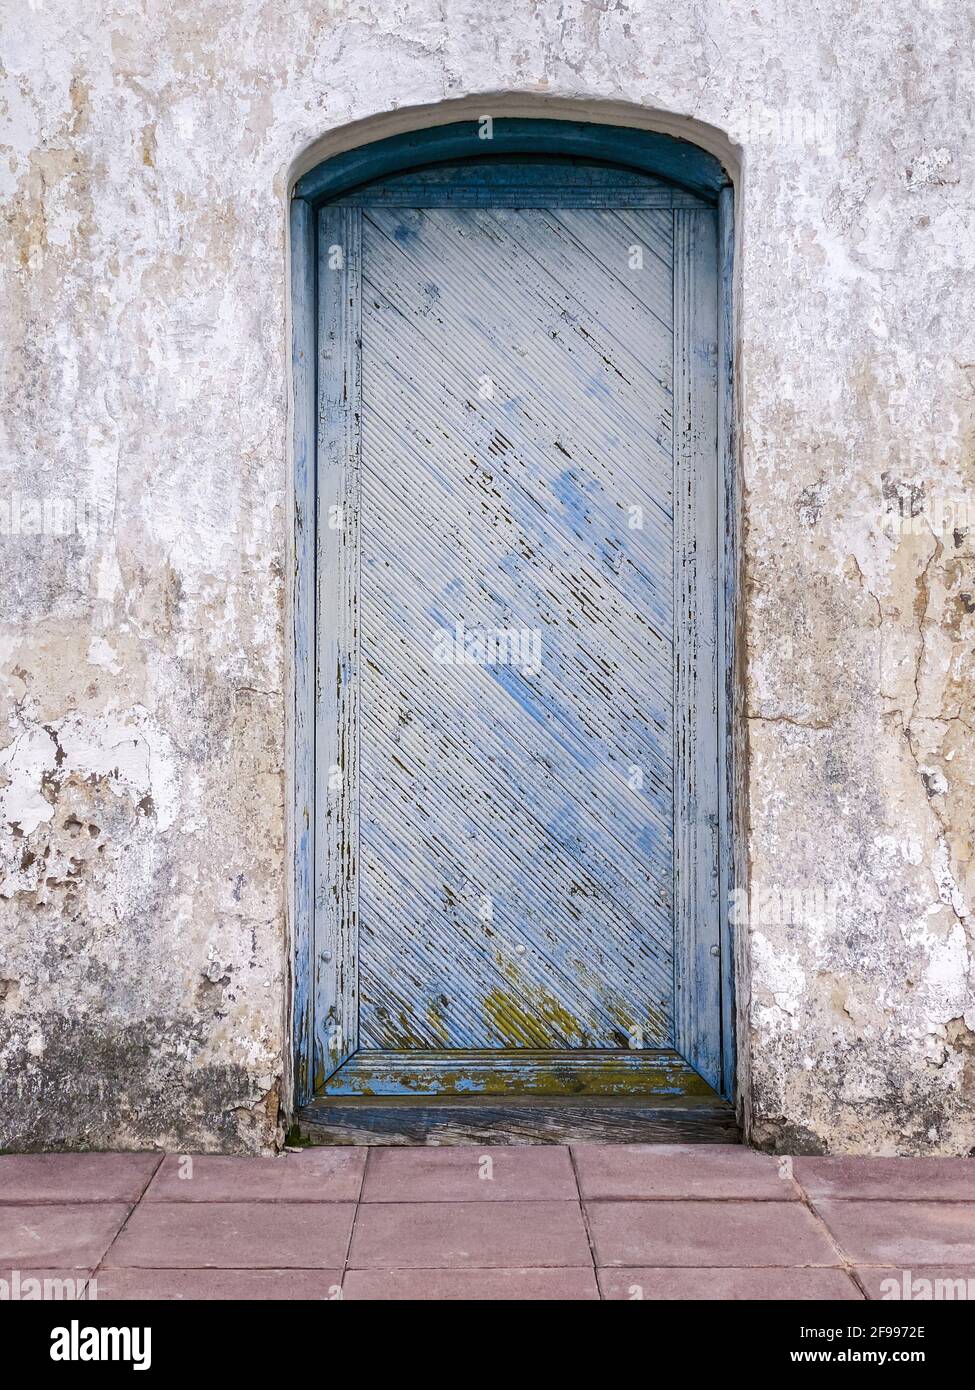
pixel 144 158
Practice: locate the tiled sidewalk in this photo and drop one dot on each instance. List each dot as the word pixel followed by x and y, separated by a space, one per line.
pixel 616 1221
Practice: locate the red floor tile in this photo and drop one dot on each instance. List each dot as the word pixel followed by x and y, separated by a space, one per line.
pixel 914 1179
pixel 75 1177
pixel 650 1171
pixel 727 1284
pixel 475 1235
pixel 904 1234
pixel 659 1233
pixel 316 1175
pixel 263 1285
pixel 941 1283
pixel 67 1236
pixel 488 1285
pixel 519 1173
pixel 228 1235
pixel 668 1223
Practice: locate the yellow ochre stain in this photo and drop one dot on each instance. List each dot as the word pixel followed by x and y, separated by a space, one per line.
pixel 530 1024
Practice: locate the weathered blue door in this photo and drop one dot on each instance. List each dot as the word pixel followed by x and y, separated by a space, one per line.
pixel 516 650
pixel 516 713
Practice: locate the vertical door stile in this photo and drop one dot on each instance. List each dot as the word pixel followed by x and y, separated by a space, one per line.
pixel 696 838
pixel 337 677
pixel 731 696
pixel 303 612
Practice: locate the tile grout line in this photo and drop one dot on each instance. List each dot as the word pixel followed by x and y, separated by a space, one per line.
pixel 352 1226
pixel 138 1201
pixel 619 1199
pixel 317 1269
pixel 845 1262
pixel 384 1268
pixel 585 1221
pixel 460 1269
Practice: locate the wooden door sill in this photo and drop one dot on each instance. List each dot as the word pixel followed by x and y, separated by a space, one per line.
pixel 517 1072
pixel 483 1120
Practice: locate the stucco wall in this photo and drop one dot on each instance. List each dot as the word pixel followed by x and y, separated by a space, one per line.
pixel 146 153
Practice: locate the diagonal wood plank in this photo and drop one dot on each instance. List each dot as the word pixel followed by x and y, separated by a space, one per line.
pixel 515 885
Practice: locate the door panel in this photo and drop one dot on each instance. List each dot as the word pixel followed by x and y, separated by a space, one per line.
pixel 516 622
pixel 510 834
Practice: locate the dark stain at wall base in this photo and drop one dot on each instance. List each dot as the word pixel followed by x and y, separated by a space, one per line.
pixel 130 1086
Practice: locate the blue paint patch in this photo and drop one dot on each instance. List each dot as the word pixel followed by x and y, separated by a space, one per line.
pixel 524 696
pixel 598 390
pixel 651 841
pixel 573 498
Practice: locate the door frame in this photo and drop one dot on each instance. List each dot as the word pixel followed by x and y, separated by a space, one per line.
pixel 324 873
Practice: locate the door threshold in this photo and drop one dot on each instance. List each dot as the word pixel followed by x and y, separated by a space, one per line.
pixel 517 1072
pixel 457 1120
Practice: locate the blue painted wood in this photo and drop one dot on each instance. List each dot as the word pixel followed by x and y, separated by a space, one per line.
pixel 732 792
pixel 302 845
pixel 488 1121
pixel 336 1031
pixel 647 152
pixel 510 513
pixel 518 1072
pixel 394 160
pixel 696 688
pixel 521 182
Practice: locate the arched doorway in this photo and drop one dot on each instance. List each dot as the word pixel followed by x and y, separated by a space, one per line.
pixel 510 686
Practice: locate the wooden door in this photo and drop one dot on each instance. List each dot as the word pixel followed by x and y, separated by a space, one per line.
pixel 516 731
